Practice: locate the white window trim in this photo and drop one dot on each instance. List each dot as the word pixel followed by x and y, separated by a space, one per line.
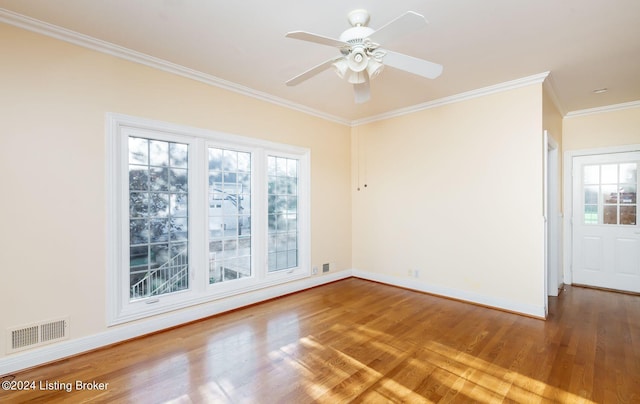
pixel 119 308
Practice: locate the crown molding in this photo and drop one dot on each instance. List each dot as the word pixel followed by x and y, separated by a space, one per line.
pixel 76 38
pixel 606 108
pixel 481 92
pixel 549 86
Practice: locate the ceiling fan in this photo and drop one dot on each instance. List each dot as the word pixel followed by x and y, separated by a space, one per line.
pixel 362 57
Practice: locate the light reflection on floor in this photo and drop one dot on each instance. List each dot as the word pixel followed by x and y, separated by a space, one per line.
pixel 282 362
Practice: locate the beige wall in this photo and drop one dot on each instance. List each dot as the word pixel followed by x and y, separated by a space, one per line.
pixel 552 122
pixel 604 129
pixel 53 100
pixel 551 117
pixel 455 192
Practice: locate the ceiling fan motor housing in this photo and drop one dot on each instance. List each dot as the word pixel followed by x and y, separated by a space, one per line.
pixel 359 17
pixel 356 34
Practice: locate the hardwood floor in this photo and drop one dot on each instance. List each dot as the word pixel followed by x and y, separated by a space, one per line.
pixel 359 341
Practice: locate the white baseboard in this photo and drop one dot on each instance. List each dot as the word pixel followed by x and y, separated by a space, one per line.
pixel 463 295
pixel 49 353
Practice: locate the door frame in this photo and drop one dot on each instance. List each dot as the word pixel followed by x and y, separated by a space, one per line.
pixel 552 217
pixel 567 200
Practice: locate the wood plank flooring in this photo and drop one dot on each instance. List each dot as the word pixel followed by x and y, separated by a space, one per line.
pixel 359 341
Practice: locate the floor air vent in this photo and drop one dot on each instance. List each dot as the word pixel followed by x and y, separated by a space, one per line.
pixel 37 334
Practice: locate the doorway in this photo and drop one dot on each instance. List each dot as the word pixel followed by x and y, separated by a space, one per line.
pixel 604 247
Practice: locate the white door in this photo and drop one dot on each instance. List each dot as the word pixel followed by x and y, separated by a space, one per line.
pixel 606 235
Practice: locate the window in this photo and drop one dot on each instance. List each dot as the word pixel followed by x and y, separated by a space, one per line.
pixel 283 212
pixel 195 215
pixel 610 193
pixel 229 214
pixel 158 216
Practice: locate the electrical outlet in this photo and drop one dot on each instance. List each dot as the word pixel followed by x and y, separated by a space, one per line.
pixel 325 267
pixel 314 271
pixel 416 273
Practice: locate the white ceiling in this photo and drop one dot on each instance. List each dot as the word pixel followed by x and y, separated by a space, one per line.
pixel 585 44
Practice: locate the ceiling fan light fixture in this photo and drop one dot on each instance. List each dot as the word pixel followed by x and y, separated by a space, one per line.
pixel 341 67
pixel 357 77
pixel 374 68
pixel 358 59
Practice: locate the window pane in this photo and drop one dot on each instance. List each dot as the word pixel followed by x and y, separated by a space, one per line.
pixel 178 229
pixel 244 183
pixel 271 244
pixel 591 214
pixel 215 159
pixel 292 259
pixel 281 260
pixel 158 153
pixel 292 241
pixel 139 257
pixel 138 204
pixel 292 168
pixel 609 194
pixel 292 222
pixel 628 215
pixel 244 223
pixel 591 194
pixel 280 204
pixel 159 255
pixel 178 180
pixel 138 231
pixel 244 162
pixel 629 173
pixel 159 177
pixel 591 174
pixel 271 165
pixel 178 155
pixel 159 204
pixel 283 209
pixel 178 205
pixel 229 248
pixel 229 161
pixel 138 178
pixel 282 185
pixel 610 214
pixel 138 151
pixel 229 214
pixel 281 166
pixel 245 205
pixel 215 177
pixel 159 230
pixel 158 220
pixel 609 174
pixel 628 194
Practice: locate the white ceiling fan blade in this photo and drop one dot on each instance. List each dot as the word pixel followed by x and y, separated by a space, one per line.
pixel 362 92
pixel 413 65
pixel 322 40
pixel 402 25
pixel 312 72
